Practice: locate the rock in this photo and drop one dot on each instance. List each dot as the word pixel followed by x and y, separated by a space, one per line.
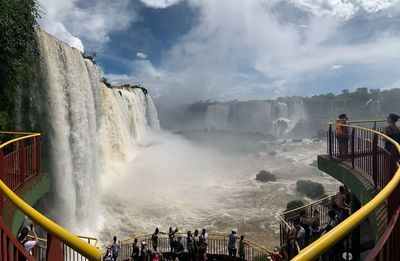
pixel 265 176
pixel 272 153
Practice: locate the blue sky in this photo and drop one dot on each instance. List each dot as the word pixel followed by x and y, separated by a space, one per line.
pixel 187 50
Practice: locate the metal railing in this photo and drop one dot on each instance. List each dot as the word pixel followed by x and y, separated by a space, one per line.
pixel 20 162
pixel 286 220
pixel 217 245
pixel 366 154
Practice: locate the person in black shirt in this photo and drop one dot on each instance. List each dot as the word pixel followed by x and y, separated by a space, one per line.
pixel 154 239
pixel 135 251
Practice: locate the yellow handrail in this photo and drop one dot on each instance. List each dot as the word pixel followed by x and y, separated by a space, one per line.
pixel 85 249
pixel 327 241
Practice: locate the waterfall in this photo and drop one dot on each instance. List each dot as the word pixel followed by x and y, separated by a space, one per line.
pixel 86 126
pixel 269 117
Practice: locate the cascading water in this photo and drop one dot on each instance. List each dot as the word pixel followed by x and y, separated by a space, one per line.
pixel 270 117
pixel 87 126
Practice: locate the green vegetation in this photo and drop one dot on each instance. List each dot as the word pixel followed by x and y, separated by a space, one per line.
pixel 294 204
pixel 265 176
pixel 105 81
pixel 17 54
pixel 90 56
pixel 310 188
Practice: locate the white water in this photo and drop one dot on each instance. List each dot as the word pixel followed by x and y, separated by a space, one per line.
pixel 89 126
pixel 269 117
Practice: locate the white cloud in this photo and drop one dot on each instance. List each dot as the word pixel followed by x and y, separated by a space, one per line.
pixel 93 23
pixel 58 30
pixel 336 67
pixel 141 55
pixel 160 3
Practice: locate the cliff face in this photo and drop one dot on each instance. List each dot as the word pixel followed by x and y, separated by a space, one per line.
pixel 85 126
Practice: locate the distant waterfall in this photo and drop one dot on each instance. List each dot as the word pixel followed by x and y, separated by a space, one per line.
pixel 269 117
pixel 78 109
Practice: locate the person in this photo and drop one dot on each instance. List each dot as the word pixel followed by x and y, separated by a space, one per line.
pixel 108 255
pixel 115 249
pixel 144 252
pixel 232 244
pixel 171 235
pixel 135 251
pixel 391 130
pixel 342 136
pixel 315 225
pixel 196 243
pixel 241 248
pixel 25 242
pixel 203 243
pixel 154 239
pixel 340 201
pixel 179 248
pixel 276 255
pixel 333 221
pixel 297 234
pixel 305 223
pixel 190 245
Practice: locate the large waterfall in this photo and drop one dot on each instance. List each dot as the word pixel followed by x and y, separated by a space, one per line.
pixel 86 125
pixel 271 117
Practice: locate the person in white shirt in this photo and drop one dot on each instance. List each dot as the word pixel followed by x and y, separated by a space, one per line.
pixel 28 244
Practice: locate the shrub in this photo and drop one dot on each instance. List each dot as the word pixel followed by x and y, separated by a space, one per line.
pixel 310 188
pixel 265 176
pixel 294 204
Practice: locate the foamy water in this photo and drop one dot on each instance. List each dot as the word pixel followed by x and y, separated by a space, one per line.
pixel 174 183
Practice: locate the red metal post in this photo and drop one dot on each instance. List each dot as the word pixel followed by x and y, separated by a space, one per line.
pixel 394 198
pixel 375 159
pixel 37 154
pixel 54 249
pixel 22 162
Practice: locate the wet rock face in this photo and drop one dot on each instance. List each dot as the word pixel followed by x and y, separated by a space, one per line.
pixel 265 176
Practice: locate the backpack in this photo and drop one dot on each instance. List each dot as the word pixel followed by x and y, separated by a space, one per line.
pixel 115 250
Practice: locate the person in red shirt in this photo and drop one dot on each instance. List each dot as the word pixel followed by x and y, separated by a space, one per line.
pixel 276 255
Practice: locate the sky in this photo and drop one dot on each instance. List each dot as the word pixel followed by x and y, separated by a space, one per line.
pixel 190 50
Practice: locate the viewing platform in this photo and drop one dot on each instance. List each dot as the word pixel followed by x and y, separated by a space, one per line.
pixel 368 170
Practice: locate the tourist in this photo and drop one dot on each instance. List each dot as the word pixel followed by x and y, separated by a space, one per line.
pixel 171 235
pixel 333 221
pixel 340 201
pixel 196 243
pixel 391 130
pixel 305 223
pixel 144 253
pixel 297 234
pixel 108 255
pixel 179 248
pixel 135 251
pixel 25 242
pixel 342 136
pixel 190 245
pixel 154 239
pixel 203 243
pixel 315 225
pixel 115 248
pixel 232 244
pixel 276 255
pixel 241 248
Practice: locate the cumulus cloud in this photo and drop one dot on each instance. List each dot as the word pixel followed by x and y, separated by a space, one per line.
pixel 159 3
pixel 141 55
pixel 92 22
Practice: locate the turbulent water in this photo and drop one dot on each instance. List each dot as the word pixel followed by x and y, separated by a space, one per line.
pixel 114 172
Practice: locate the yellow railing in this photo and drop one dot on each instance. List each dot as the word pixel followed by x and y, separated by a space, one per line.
pixel 71 240
pixel 327 241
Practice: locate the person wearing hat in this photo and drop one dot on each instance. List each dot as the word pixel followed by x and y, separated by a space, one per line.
pixel 232 243
pixel 342 136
